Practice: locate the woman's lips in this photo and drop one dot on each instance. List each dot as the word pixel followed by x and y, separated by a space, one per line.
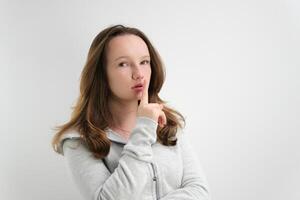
pixel 138 89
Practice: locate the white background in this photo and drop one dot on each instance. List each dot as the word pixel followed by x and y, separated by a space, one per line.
pixel 232 70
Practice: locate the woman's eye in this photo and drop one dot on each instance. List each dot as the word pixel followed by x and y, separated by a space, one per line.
pixel 123 64
pixel 145 62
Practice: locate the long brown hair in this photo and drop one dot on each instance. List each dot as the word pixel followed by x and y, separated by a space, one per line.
pixel 91 116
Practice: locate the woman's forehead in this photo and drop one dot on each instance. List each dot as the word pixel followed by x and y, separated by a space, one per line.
pixel 126 46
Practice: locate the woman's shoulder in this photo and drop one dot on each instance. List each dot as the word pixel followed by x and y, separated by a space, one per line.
pixel 71 139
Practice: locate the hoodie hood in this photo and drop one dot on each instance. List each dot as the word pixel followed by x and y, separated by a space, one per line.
pixel 73 134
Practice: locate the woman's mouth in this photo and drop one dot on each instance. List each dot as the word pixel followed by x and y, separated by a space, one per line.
pixel 138 88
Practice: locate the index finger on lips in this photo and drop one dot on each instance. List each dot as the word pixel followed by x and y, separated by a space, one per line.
pixel 144 99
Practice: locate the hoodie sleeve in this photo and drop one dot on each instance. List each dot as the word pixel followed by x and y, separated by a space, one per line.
pixel 130 177
pixel 194 185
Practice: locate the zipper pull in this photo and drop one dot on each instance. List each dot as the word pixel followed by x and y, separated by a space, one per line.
pixel 154 178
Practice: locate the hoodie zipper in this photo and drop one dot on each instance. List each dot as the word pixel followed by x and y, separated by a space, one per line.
pixel 155 178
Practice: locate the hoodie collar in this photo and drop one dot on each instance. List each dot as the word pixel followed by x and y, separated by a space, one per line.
pixel 115 137
pixel 111 135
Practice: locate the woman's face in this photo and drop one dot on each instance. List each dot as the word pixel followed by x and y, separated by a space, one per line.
pixel 128 63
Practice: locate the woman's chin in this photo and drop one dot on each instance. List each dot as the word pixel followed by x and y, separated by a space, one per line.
pixel 138 96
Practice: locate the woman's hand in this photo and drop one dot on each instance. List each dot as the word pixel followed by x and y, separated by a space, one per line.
pixel 151 110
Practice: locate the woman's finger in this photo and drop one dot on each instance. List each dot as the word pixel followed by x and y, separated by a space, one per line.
pixel 162 119
pixel 144 99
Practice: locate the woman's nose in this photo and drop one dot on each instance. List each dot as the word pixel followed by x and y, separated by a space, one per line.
pixel 137 76
pixel 137 73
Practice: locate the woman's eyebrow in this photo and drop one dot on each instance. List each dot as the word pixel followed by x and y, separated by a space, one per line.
pixel 128 57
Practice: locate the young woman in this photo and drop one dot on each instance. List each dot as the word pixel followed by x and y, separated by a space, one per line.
pixel 122 141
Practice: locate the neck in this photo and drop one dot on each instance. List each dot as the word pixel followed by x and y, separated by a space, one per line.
pixel 124 116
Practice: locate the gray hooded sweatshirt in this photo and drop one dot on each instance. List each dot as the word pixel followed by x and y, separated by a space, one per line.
pixel 140 168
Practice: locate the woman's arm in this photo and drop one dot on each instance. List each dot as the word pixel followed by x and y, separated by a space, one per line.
pixel 194 184
pixel 131 175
